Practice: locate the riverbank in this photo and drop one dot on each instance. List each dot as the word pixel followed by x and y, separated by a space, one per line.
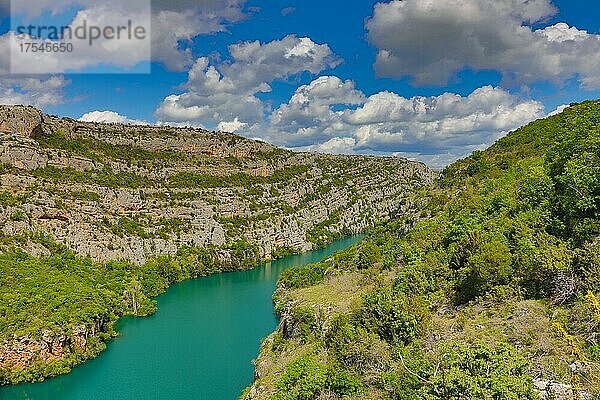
pixel 204 335
pixel 84 300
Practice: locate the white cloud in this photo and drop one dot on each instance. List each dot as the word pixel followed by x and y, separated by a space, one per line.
pixel 440 123
pixel 184 20
pixel 310 108
pixel 124 52
pixel 323 116
pixel 224 92
pixel 431 40
pixel 173 24
pixel 558 110
pixel 445 116
pixel 231 126
pixel 110 117
pixel 336 145
pixel 38 92
pixel 255 65
pixel 287 11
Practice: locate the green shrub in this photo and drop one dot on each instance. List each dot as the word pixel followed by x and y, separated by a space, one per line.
pixel 369 254
pixel 129 227
pixel 301 277
pixel 587 265
pixel 305 378
pixel 481 372
pixel 396 319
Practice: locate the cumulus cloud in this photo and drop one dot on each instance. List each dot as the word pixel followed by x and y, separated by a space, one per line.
pixel 331 115
pixel 110 117
pixel 558 110
pixel 173 23
pixel 125 52
pixel 231 126
pixel 183 20
pixel 444 121
pixel 221 93
pixel 431 40
pixel 309 114
pixel 336 145
pixel 35 91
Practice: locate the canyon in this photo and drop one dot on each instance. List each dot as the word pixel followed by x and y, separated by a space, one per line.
pixel 110 192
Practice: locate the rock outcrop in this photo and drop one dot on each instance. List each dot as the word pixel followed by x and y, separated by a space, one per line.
pixel 22 352
pixel 21 121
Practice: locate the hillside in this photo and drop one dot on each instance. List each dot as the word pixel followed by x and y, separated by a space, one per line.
pixel 494 296
pixel 96 219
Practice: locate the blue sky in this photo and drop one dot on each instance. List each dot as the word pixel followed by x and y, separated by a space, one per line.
pixel 502 70
pixel 338 23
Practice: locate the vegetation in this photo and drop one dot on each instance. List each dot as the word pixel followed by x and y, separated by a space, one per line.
pixel 130 192
pixel 7 199
pixel 82 196
pixel 321 235
pixel 305 378
pixel 194 180
pixel 498 287
pixel 104 177
pixel 98 150
pixel 129 227
pixel 64 290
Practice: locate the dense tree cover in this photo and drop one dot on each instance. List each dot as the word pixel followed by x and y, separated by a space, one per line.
pixel 519 221
pixel 64 290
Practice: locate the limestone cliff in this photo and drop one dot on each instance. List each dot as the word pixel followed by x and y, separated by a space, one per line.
pixel 82 182
pixel 119 192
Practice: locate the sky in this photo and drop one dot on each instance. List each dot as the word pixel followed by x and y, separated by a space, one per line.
pixel 430 80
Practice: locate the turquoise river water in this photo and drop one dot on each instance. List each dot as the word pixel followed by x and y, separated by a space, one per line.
pixel 198 346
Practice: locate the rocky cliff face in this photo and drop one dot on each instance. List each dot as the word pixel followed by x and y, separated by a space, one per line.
pixel 125 192
pixel 22 352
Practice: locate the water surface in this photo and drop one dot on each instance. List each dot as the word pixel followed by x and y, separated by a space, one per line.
pixel 198 346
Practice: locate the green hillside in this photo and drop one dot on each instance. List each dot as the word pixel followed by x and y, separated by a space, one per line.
pixel 495 295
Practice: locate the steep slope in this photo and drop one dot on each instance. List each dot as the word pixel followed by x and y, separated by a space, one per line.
pixel 125 192
pixel 495 296
pixel 98 218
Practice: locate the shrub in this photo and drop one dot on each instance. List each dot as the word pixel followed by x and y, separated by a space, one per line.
pixel 369 254
pixel 303 380
pixel 301 277
pixel 587 264
pixel 480 372
pixel 395 319
pixel 489 265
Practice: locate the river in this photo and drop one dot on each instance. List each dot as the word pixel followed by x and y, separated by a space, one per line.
pixel 198 346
